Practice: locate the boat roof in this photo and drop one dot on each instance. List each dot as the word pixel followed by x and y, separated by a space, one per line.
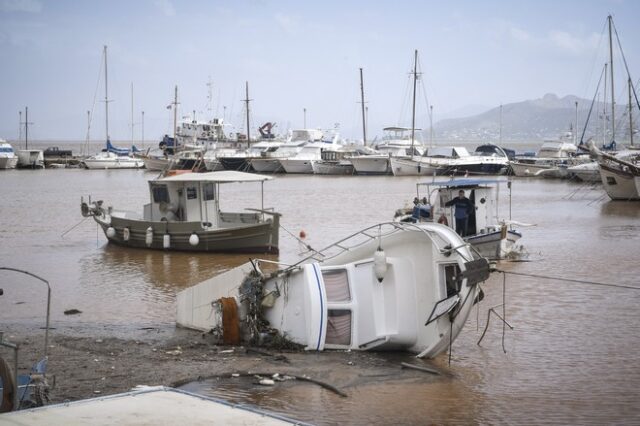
pixel 464 182
pixel 225 176
pixel 153 405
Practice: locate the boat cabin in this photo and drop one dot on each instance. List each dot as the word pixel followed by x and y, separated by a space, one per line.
pixel 195 197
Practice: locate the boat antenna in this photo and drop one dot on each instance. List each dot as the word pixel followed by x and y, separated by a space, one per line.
pixel 413 114
pixel 175 117
pixel 247 100
pixel 364 120
pixel 613 98
pixel 132 123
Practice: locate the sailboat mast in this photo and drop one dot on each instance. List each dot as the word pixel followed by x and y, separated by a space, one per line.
pixel 247 102
pixel 26 127
pixel 106 95
pixel 604 108
pixel 175 117
pixel 19 126
pixel 413 114
pixel 132 135
pixel 630 114
pixel 613 96
pixel 364 120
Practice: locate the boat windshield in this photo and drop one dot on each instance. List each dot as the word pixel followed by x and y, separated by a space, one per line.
pixel 160 194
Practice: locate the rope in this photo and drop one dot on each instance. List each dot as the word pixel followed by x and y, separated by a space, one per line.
pixel 548 277
pixel 73 227
pixel 299 239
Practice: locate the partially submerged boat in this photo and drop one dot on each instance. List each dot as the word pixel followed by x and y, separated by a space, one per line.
pixel 392 286
pixel 184 214
pixel 492 237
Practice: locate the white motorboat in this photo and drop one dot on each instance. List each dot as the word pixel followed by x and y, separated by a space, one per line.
pixel 492 237
pixel 30 159
pixel 8 157
pixel 241 160
pixel 184 214
pixel 302 162
pixel 396 143
pixel 269 162
pixel 392 286
pixel 587 172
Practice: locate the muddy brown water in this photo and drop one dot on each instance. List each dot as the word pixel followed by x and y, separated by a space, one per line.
pixel 572 357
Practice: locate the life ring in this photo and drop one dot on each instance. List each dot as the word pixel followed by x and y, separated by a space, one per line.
pixel 443 220
pixel 8 387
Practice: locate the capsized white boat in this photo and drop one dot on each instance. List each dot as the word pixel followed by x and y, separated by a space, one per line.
pixel 392 286
pixel 184 214
pixel 492 237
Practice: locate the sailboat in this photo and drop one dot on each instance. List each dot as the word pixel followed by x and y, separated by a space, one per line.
pixel 112 157
pixel 620 177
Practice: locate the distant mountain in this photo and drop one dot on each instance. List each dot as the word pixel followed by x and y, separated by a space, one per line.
pixel 535 119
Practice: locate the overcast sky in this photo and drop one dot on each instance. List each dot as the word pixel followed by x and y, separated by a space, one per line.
pixel 295 55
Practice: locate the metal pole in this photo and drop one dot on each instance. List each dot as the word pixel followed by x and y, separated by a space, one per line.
pixel 613 97
pixel 630 114
pixel 19 126
pixel 431 126
pixel 142 124
pixel 500 125
pixel 175 117
pixel 304 112
pixel 26 127
pixel 575 133
pixel 364 125
pixel 248 128
pixel 106 95
pixel 132 125
pixel 413 114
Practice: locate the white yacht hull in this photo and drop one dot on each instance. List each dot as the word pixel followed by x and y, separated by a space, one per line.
pixel 297 166
pixel 117 163
pixel 156 164
pixel 8 162
pixel 408 167
pixel 371 164
pixel 266 165
pixel 619 185
pixel 588 172
pixel 332 168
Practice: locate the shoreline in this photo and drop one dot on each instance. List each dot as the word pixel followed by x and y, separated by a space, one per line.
pixel 81 367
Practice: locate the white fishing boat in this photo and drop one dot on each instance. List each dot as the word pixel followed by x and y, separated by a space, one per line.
pixel 184 214
pixel 552 154
pixel 8 157
pixel 392 286
pixel 493 237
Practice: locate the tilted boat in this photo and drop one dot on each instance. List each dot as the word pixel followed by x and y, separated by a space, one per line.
pixel 184 214
pixel 392 286
pixel 492 237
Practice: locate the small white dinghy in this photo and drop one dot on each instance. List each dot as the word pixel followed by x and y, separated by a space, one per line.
pixel 393 286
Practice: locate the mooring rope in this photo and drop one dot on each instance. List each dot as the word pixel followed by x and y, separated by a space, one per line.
pixel 548 277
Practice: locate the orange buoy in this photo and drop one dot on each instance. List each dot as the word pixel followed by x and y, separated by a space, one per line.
pixel 303 234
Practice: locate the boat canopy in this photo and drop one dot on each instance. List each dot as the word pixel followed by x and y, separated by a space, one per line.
pixel 463 183
pixel 226 176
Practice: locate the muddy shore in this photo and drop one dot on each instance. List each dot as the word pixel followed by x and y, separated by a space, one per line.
pixel 82 366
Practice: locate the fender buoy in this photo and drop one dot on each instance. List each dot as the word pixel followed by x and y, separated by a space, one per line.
pixel 443 220
pixel 8 387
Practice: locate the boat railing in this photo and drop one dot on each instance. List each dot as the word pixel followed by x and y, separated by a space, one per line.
pixel 380 231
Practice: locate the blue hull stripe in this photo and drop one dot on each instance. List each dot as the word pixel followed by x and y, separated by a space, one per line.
pixel 315 270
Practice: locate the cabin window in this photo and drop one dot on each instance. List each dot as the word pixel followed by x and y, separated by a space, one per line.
pixel 451 274
pixel 209 192
pixel 192 193
pixel 336 284
pixel 611 180
pixel 160 194
pixel 338 327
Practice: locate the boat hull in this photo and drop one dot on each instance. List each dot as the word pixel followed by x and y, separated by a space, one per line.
pixel 8 162
pixel 251 238
pixel 296 166
pixel 371 165
pixel 495 245
pixel 409 167
pixel 30 159
pixel 124 163
pixel 240 164
pixel 527 169
pixel 266 165
pixel 618 184
pixel 320 168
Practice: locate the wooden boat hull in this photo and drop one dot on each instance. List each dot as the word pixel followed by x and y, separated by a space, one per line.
pixel 261 237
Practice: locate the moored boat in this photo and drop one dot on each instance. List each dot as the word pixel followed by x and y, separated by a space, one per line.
pixel 492 237
pixel 8 157
pixel 184 214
